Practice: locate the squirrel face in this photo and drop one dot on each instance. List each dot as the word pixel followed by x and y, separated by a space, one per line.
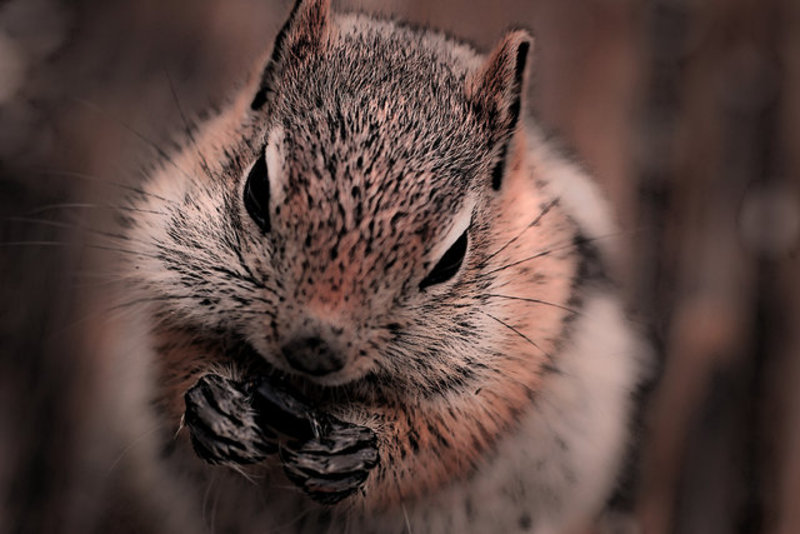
pixel 348 233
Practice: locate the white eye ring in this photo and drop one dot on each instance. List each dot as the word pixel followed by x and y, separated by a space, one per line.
pixel 275 167
pixel 449 255
pixel 460 224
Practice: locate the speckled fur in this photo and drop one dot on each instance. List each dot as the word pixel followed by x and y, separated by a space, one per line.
pixel 501 397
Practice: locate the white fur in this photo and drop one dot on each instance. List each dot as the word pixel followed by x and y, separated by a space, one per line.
pixel 564 487
pixel 579 194
pixel 275 169
pixel 460 223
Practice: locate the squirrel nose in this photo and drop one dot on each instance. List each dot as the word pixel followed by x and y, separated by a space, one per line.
pixel 312 355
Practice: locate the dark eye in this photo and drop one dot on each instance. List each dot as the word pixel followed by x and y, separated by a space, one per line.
pixel 448 266
pixel 256 193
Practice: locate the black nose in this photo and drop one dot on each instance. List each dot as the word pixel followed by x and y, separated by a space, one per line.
pixel 312 355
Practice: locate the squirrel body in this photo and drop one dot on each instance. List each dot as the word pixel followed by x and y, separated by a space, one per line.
pixel 375 219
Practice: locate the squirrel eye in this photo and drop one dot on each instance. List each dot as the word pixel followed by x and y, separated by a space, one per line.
pixel 448 265
pixel 256 193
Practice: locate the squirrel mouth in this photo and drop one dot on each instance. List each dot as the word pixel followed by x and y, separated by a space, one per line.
pixel 317 390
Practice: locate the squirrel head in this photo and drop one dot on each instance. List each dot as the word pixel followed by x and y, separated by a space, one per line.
pixel 347 233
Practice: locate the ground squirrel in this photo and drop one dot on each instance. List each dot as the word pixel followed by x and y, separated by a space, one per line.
pixel 371 287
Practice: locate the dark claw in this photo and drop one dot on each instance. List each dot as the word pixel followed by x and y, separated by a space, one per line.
pixel 327 465
pixel 326 491
pixel 222 423
pixel 341 437
pixel 335 465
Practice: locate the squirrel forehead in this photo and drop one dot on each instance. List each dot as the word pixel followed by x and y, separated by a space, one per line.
pixel 365 202
pixel 383 93
pixel 372 128
pixel 363 58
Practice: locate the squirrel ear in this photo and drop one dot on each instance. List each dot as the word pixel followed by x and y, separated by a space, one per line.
pixel 497 89
pixel 305 31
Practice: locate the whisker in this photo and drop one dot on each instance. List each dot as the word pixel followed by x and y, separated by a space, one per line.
pixel 144 300
pixel 407 343
pixel 86 205
pixel 126 251
pixel 405 517
pixel 206 497
pixel 160 151
pixel 69 245
pixel 97 180
pixel 187 128
pixel 527 259
pixel 97 283
pixel 131 445
pixel 73 226
pixel 415 335
pixel 557 246
pixel 530 225
pixel 102 275
pixel 517 332
pixel 181 426
pixel 292 522
pixel 97 313
pixel 536 301
pixel 36 244
pixel 214 507
pixel 241 471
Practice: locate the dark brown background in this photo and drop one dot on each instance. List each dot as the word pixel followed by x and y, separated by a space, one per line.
pixel 687 111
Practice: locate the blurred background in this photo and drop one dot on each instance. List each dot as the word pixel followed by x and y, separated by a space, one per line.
pixel 687 111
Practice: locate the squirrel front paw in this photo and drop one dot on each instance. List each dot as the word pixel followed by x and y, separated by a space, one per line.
pixel 327 458
pixel 234 423
pixel 334 465
pixel 222 423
